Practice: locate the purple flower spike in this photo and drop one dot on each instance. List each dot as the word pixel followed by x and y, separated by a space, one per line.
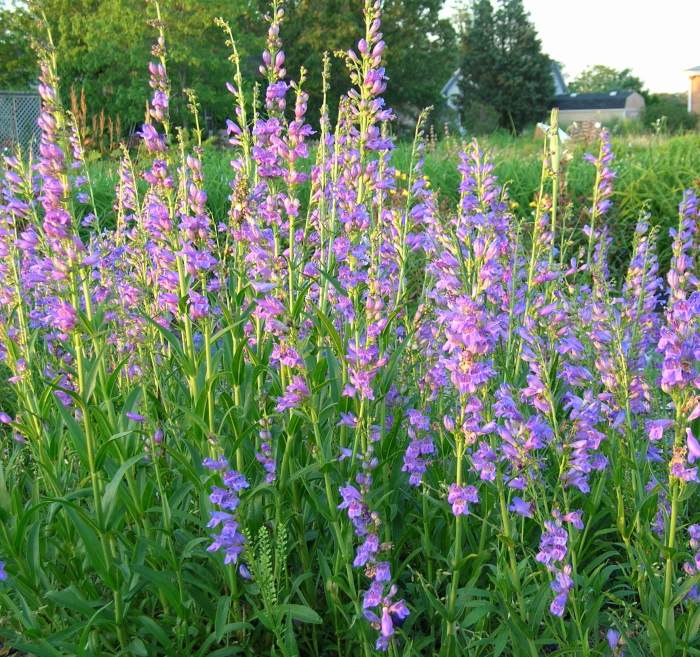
pixel 230 541
pixel 460 497
pixel 693 446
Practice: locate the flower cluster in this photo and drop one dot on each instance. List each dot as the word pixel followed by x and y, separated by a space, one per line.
pixel 229 540
pixel 466 370
pixel 420 448
pixel 553 553
pixel 692 568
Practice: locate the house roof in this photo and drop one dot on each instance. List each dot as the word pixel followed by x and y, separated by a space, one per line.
pixel 693 71
pixel 612 100
pixel 559 82
pixel 451 87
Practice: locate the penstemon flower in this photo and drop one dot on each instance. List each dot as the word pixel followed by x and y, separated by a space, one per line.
pixel 552 554
pixel 420 448
pixel 615 643
pixel 422 394
pixel 229 540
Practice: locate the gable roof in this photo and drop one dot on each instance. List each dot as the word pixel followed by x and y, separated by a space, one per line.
pixel 559 82
pixel 612 100
pixel 451 87
pixel 693 71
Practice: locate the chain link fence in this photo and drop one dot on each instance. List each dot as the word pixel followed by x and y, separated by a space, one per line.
pixel 19 112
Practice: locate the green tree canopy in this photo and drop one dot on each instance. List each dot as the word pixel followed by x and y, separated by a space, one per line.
pixel 601 79
pixel 421 51
pixel 17 67
pixel 503 65
pixel 103 47
pixel 108 54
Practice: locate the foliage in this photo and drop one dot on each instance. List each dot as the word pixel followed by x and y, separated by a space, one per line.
pixel 101 47
pixel 18 68
pixel 336 415
pixel 503 64
pixel 418 69
pixel 669 112
pixel 652 171
pixel 603 79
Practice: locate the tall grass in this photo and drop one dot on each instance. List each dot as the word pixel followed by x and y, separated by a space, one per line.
pixel 653 171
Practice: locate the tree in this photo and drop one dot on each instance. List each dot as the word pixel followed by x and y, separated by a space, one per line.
pixel 479 66
pixel 421 51
pixel 503 64
pixel 421 54
pixel 602 79
pixel 103 48
pixel 17 66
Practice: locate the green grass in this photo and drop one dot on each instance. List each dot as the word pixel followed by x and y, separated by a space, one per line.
pixel 652 171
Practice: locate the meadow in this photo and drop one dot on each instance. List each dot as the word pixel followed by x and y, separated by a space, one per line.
pixel 320 394
pixel 652 172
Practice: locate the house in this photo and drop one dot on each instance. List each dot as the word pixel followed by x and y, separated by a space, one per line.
pixel 694 90
pixel 602 107
pixel 451 92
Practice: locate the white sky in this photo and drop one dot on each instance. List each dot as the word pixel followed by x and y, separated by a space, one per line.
pixel 657 39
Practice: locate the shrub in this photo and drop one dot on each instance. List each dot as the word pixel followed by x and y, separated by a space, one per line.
pixel 669 113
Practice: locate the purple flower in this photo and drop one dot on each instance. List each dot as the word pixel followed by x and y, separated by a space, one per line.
pixel 345 453
pixel 135 417
pixel 382 572
pixel 215 464
pixel 655 428
pixel 63 317
pixel 352 501
pixel 692 567
pixel 367 550
pixel 484 462
pixel 296 392
pixel 267 460
pixel 229 540
pixel 561 585
pixel 460 497
pixel 553 544
pixel 155 143
pixel 416 458
pixel 693 446
pixel 3 572
pixel 615 643
pixel 235 481
pixel 521 507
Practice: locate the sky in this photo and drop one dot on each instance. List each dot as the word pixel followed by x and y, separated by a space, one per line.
pixel 658 40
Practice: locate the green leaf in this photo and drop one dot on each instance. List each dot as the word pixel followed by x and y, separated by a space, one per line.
pixel 70 598
pixel 222 610
pixel 330 332
pixel 91 541
pixel 301 613
pixel 109 496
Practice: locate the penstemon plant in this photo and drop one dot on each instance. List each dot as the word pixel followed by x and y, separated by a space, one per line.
pixel 343 417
